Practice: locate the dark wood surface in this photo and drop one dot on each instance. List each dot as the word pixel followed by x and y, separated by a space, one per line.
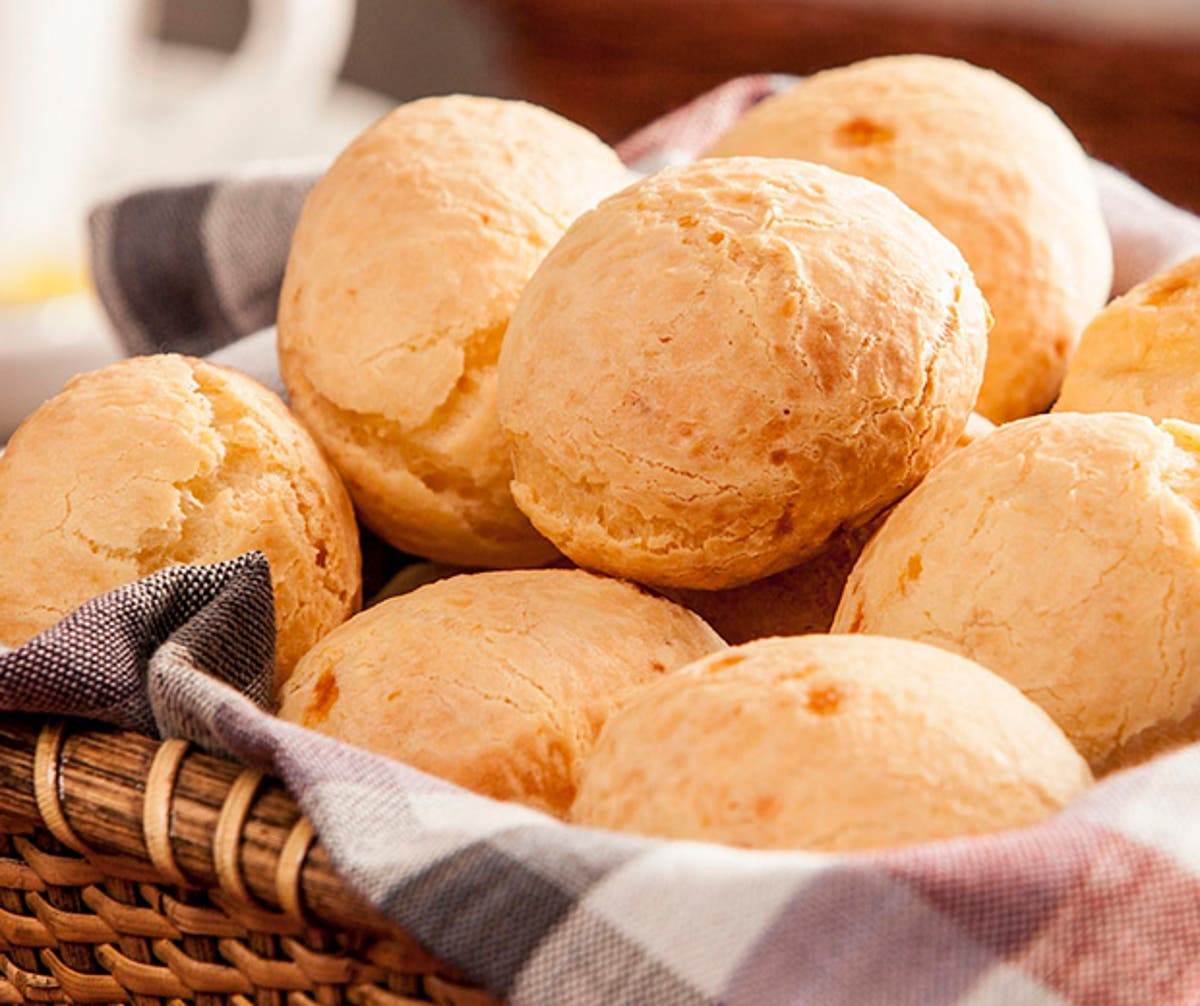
pixel 615 65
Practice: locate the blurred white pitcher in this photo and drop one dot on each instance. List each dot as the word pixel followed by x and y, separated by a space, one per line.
pixel 73 126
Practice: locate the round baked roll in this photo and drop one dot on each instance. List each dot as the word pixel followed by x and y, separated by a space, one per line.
pixel 1063 552
pixel 727 362
pixel 405 266
pixel 992 168
pixel 161 460
pixel 1142 353
pixel 496 681
pixel 831 743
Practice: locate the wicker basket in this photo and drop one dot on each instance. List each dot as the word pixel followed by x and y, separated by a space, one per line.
pixel 138 871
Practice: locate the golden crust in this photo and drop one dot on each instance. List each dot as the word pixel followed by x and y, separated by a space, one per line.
pixel 1142 353
pixel 831 743
pixel 496 681
pixel 992 168
pixel 1063 552
pixel 161 460
pixel 405 266
pixel 725 363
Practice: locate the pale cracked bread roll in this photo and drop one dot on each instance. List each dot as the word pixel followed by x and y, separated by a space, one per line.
pixel 496 681
pixel 724 364
pixel 161 460
pixel 992 168
pixel 1142 353
pixel 405 266
pixel 1062 552
pixel 831 743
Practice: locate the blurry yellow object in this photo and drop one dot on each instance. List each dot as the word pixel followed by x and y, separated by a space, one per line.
pixel 40 280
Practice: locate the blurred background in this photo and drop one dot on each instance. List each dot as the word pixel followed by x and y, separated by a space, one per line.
pixel 98 97
pixel 1124 74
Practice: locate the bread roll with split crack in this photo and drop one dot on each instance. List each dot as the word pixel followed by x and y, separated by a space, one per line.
pixel 404 269
pixel 1062 552
pixel 726 363
pixel 161 460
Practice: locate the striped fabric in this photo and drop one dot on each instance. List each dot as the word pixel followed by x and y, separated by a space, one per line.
pixel 1099 905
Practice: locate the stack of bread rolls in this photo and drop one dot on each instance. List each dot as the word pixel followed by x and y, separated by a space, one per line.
pixel 627 422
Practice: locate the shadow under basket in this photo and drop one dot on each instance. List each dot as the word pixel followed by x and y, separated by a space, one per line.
pixel 146 872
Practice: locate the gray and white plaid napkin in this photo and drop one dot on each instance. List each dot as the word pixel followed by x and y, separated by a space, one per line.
pixel 1099 905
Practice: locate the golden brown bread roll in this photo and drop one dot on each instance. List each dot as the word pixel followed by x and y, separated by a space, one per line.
pixel 1062 552
pixel 725 363
pixel 830 743
pixel 1142 353
pixel 405 266
pixel 992 168
pixel 496 681
pixel 161 460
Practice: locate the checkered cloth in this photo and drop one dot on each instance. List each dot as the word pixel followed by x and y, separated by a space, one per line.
pixel 1101 904
pixel 198 268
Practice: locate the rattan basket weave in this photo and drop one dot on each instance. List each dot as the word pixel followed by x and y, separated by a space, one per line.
pixel 146 872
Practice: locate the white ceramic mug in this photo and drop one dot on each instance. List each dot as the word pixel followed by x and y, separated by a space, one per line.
pixel 78 123
pixel 73 126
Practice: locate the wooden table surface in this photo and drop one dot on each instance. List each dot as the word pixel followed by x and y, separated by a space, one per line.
pixel 615 64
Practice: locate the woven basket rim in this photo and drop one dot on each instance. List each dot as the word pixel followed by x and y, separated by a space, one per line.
pixel 166 810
